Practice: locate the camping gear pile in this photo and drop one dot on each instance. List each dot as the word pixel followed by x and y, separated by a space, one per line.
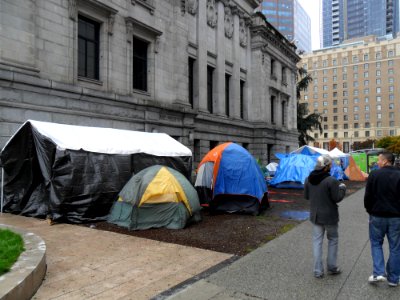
pixel 230 180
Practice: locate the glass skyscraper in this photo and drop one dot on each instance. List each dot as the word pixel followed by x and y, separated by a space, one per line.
pixel 290 18
pixel 342 20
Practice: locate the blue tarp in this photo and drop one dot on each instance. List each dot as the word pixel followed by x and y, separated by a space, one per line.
pixel 337 171
pixel 239 174
pixel 293 168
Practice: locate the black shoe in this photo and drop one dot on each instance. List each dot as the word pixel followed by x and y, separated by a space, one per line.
pixel 336 271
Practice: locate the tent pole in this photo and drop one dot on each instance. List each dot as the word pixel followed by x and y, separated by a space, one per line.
pixel 2 183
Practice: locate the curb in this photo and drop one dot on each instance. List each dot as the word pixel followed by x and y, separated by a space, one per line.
pixel 26 275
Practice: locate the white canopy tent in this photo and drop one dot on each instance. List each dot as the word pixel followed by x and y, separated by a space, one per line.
pixel 336 153
pixel 310 150
pixel 45 148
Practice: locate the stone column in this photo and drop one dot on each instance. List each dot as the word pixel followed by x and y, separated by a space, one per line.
pixel 278 110
pixel 200 87
pixel 219 94
pixel 235 80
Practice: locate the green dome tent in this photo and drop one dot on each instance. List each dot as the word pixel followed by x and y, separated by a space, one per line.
pixel 157 196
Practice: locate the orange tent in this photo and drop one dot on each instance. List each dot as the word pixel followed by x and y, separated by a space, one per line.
pixel 353 171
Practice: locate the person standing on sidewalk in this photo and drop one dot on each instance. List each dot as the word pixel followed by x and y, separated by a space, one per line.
pixel 324 192
pixel 382 202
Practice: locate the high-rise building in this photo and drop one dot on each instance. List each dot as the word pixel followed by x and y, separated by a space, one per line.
pixel 342 20
pixel 355 88
pixel 290 18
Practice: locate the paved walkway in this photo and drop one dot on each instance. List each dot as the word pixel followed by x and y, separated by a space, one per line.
pixel 90 264
pixel 84 263
pixel 282 269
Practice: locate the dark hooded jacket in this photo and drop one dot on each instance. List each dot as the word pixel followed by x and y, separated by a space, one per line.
pixel 324 193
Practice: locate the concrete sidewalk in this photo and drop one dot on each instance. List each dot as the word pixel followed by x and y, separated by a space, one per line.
pixel 84 263
pixel 282 269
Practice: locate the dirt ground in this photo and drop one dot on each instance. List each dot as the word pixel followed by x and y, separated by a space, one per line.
pixel 236 233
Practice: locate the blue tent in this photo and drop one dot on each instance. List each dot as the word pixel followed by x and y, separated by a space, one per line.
pixel 293 169
pixel 229 179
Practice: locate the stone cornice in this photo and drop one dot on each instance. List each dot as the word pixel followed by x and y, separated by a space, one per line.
pixel 270 35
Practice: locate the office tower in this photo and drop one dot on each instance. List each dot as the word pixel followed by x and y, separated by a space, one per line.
pixel 343 20
pixel 354 87
pixel 290 18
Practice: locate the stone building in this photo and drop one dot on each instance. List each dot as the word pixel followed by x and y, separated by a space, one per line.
pixel 203 71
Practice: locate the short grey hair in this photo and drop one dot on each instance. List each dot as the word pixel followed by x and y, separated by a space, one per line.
pixel 323 161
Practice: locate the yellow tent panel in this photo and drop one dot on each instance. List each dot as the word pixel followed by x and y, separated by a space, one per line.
pixel 164 188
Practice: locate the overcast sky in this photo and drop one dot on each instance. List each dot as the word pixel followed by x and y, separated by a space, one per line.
pixel 312 7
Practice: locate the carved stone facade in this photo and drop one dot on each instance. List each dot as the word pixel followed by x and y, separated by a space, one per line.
pixel 212 13
pixel 212 72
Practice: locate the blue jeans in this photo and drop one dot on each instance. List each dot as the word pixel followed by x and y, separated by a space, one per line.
pixel 333 240
pixel 378 228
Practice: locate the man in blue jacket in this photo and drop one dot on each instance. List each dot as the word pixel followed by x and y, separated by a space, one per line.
pixel 324 192
pixel 382 202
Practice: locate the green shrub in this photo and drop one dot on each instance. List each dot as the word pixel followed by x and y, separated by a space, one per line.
pixel 11 246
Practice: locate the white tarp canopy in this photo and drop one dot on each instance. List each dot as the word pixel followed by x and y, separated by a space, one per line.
pixel 109 140
pixel 337 153
pixel 310 150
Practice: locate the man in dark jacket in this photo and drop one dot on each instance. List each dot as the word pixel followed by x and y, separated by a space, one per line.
pixel 324 192
pixel 382 202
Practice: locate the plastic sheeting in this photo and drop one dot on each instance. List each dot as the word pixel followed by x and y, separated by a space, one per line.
pixel 293 168
pixel 237 183
pixel 310 150
pixel 107 140
pixel 42 179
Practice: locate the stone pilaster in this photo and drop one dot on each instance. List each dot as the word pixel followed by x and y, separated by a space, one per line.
pixel 219 94
pixel 235 80
pixel 201 84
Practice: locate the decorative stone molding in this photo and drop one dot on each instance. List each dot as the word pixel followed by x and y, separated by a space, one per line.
pixel 235 10
pixel 95 6
pixel 132 23
pixel 157 44
pixel 264 48
pixel 149 4
pixel 212 13
pixel 242 32
pixel 228 18
pixel 247 21
pixel 72 9
pixel 192 6
pixel 262 34
pixel 129 30
pixel 111 21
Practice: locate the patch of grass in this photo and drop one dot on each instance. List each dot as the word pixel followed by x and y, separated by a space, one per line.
pixel 11 246
pixel 286 228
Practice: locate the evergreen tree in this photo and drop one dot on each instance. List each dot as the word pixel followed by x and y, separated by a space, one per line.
pixel 306 122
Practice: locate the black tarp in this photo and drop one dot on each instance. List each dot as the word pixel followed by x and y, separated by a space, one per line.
pixel 74 186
